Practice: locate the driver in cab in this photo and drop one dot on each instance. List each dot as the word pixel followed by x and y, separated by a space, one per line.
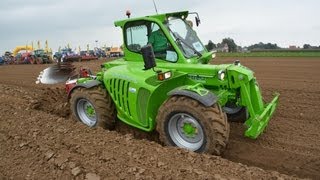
pixel 161 47
pixel 159 43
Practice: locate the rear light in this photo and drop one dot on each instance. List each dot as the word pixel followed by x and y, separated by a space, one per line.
pixel 85 72
pixel 70 84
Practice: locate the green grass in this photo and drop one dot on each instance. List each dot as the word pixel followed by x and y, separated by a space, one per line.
pixel 270 54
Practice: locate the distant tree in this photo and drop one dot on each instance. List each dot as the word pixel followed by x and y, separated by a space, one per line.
pixel 306 46
pixel 210 45
pixel 271 46
pixel 262 45
pixel 231 44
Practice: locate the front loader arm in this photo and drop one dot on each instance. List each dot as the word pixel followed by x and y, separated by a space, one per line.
pixel 250 97
pixel 259 113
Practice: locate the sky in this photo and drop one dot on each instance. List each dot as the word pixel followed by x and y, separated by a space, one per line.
pixel 82 22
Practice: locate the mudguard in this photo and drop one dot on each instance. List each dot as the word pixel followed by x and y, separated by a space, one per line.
pixel 196 92
pixel 88 84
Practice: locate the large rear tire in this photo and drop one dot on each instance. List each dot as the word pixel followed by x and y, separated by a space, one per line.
pixel 93 107
pixel 186 123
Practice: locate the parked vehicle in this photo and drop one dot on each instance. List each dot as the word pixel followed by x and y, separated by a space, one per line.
pixel 88 55
pixel 8 58
pixel 24 58
pixel 40 56
pixel 66 55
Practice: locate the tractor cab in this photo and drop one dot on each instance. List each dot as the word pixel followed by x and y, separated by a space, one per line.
pixel 171 36
pixel 39 52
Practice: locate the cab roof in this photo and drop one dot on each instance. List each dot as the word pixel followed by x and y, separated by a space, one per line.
pixel 160 17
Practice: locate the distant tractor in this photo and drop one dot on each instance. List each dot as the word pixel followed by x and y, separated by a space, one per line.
pixel 67 55
pixel 40 56
pixel 24 58
pixel 114 52
pixel 88 55
pixel 8 58
pixel 100 53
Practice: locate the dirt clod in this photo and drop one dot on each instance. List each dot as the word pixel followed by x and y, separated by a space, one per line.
pixel 49 155
pixel 92 176
pixel 76 171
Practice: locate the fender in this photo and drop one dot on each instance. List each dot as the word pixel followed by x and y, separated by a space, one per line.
pixel 197 93
pixel 88 84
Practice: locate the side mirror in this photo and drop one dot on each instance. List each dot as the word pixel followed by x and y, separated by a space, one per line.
pixel 148 57
pixel 197 21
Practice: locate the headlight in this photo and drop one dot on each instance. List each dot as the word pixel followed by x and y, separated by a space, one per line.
pixel 221 75
pixel 164 75
pixel 237 62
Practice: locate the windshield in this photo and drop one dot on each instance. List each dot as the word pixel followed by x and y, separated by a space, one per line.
pixel 186 37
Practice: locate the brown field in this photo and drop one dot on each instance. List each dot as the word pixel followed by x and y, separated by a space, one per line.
pixel 38 139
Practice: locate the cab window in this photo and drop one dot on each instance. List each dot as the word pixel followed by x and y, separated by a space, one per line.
pixel 136 37
pixel 143 33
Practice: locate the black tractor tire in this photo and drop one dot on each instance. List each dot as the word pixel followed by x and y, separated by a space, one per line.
pixel 50 60
pixel 32 60
pixel 239 117
pixel 99 100
pixel 55 59
pixel 209 123
pixel 236 114
pixel 39 60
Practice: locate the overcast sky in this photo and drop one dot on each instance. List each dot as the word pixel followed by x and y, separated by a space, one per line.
pixel 81 22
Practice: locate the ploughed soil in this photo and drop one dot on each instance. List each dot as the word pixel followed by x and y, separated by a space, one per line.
pixel 39 140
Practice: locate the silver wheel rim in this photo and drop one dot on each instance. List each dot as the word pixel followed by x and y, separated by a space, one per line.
pixel 178 135
pixel 84 110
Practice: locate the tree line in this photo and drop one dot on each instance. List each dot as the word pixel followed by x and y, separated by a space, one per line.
pixel 229 45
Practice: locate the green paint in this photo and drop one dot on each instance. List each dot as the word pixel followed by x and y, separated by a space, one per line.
pixel 90 110
pixel 189 130
pixel 138 94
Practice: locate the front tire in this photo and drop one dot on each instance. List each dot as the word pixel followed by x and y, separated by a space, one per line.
pixel 236 113
pixel 186 123
pixel 93 107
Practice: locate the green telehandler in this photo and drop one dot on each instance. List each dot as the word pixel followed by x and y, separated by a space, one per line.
pixel 173 91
